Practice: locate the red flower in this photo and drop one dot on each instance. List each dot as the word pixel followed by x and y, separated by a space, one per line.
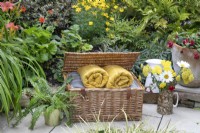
pixel 192 42
pixel 50 11
pixel 196 56
pixel 23 9
pixel 12 26
pixel 185 41
pixel 170 44
pixel 41 19
pixel 171 88
pixel 5 6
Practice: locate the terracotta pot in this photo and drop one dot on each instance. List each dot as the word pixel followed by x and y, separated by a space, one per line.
pixel 165 102
pixel 179 53
pixel 53 119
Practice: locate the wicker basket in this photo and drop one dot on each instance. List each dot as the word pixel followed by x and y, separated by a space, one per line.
pixel 101 103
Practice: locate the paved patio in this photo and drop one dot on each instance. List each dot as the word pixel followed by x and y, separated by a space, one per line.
pixel 183 120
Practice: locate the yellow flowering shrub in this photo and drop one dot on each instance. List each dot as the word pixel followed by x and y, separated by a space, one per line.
pixel 101 12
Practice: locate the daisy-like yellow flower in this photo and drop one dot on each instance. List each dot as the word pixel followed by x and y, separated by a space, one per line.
pixel 162 85
pixel 90 23
pixel 107 23
pixel 94 13
pixel 112 19
pixel 115 6
pixel 107 29
pixel 105 15
pixel 111 36
pixel 87 8
pixel 78 9
pixel 121 10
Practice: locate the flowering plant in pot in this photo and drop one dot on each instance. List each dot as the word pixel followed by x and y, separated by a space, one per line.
pixel 186 46
pixel 165 78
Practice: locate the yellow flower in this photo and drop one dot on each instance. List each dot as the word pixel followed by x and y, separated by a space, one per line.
pixel 162 85
pixel 166 63
pixel 178 78
pixel 105 15
pixel 140 78
pixel 107 29
pixel 157 70
pixel 78 9
pixel 115 6
pixel 74 6
pixel 87 8
pixel 90 23
pixel 146 69
pixel 112 19
pixel 121 10
pixel 191 77
pixel 107 23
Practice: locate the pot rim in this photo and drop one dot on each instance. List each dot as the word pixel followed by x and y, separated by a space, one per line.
pixel 180 47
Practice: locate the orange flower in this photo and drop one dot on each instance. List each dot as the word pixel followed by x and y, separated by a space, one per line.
pixel 23 9
pixel 41 19
pixel 12 26
pixel 5 6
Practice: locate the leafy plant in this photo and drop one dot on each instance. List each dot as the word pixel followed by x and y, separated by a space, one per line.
pixel 72 41
pixel 56 13
pixel 15 67
pixel 46 100
pixel 38 42
pixel 94 17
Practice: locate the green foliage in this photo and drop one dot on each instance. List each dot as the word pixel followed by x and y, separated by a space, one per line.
pixel 166 16
pixel 15 67
pixel 39 43
pixel 125 32
pixel 56 12
pixel 73 41
pixel 45 99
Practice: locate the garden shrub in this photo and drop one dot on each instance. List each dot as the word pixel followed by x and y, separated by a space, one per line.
pixel 56 12
pixel 94 17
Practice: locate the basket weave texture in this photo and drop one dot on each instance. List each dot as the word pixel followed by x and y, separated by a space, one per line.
pixel 101 103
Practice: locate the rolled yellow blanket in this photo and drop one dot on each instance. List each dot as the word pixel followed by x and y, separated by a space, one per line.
pixel 118 77
pixel 93 76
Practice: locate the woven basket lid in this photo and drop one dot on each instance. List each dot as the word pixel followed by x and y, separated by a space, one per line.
pixel 74 60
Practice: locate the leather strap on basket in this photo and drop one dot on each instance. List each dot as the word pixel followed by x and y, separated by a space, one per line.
pixel 83 92
pixel 128 93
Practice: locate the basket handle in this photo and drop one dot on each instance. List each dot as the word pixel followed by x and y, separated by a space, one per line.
pixel 128 93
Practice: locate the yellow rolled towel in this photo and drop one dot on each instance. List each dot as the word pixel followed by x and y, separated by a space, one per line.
pixel 93 76
pixel 118 77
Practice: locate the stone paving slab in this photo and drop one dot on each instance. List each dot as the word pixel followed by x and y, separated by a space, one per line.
pixel 40 126
pixel 183 119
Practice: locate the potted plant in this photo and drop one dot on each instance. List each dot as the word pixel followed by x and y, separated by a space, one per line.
pixel 50 102
pixel 186 46
pixel 165 78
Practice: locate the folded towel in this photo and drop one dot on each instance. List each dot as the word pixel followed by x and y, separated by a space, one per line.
pixel 118 77
pixel 93 76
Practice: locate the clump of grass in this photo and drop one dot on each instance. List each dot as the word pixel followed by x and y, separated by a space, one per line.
pixel 108 127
